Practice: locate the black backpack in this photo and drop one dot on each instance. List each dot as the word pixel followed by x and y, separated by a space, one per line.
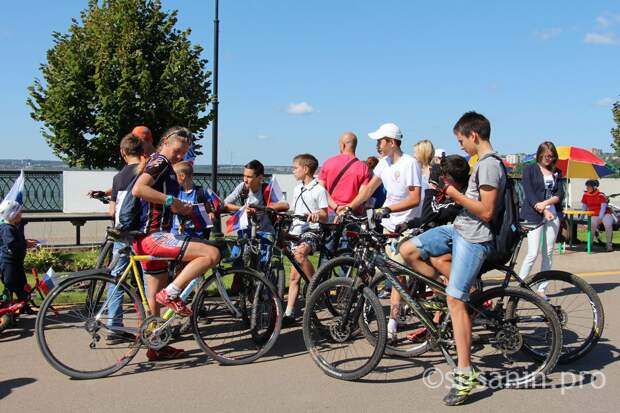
pixel 505 223
pixel 129 212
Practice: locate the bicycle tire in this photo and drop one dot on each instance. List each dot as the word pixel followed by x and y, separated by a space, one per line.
pixel 570 353
pixel 412 350
pixel 317 333
pixel 519 346
pixel 324 272
pixel 47 318
pixel 105 257
pixel 233 347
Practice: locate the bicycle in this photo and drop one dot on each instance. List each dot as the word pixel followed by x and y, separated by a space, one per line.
pixel 105 257
pixel 504 329
pixel 574 301
pixel 332 245
pixel 225 318
pixel 11 309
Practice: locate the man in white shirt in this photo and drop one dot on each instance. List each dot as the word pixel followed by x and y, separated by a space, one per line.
pixel 400 175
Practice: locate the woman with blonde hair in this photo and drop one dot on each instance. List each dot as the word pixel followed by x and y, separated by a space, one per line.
pixel 423 153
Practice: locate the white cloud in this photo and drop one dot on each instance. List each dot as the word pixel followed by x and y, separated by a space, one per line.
pixel 603 21
pixel 262 137
pixel 597 38
pixel 605 102
pixel 300 108
pixel 547 34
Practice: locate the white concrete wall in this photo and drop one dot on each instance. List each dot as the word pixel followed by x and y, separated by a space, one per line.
pixel 75 186
pixel 287 183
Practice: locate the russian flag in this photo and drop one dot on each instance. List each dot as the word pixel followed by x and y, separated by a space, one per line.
pixel 213 199
pixel 237 221
pixel 274 191
pixel 17 190
pixel 200 217
pixel 48 282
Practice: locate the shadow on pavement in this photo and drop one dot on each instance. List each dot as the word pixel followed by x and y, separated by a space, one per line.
pixel 24 328
pixel 6 387
pixel 602 287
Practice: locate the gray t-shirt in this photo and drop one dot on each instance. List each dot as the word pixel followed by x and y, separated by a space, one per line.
pixel 235 197
pixel 489 172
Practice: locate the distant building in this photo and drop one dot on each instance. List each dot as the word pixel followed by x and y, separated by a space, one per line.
pixel 597 152
pixel 514 158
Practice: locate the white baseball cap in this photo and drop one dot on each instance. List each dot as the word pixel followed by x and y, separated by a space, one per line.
pixel 439 152
pixel 387 130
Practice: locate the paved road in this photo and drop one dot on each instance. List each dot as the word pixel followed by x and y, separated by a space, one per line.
pixel 288 380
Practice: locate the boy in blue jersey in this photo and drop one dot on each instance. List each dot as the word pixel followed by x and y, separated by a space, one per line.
pixel 191 194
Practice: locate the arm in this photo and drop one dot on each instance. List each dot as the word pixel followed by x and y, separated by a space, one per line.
pixel 112 208
pixel 332 204
pixel 142 189
pixel 483 209
pixel 366 192
pixel 281 206
pixel 528 187
pixel 411 202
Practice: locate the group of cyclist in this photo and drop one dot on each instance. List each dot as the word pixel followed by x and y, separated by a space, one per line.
pixel 450 210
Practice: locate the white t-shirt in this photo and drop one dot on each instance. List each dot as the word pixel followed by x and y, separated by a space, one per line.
pixel 397 178
pixel 307 199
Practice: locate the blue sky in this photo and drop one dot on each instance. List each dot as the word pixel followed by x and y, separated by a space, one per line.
pixel 294 75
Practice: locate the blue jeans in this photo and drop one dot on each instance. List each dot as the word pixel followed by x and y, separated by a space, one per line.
pixel 467 257
pixel 115 305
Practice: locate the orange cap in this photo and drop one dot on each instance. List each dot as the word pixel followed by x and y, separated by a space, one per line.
pixel 143 133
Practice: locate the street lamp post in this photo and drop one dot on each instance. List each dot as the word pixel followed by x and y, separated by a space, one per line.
pixel 216 32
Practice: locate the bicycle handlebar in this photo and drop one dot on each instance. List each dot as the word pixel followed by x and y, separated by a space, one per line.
pixel 100 196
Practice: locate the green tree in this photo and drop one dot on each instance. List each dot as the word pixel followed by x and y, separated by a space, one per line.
pixel 615 132
pixel 123 64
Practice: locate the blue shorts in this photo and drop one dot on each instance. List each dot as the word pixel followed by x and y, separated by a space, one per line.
pixel 467 257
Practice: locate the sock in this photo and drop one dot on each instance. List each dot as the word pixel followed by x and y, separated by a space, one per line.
pixel 392 325
pixel 464 371
pixel 173 291
pixel 288 312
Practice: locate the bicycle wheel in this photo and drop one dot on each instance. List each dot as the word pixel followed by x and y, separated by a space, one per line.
pixel 412 338
pixel 516 336
pixel 89 337
pixel 578 307
pixel 335 342
pixel 104 259
pixel 344 266
pixel 237 316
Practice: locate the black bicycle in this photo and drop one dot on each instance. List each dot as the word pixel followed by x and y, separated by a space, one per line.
pixel 575 302
pixel 517 336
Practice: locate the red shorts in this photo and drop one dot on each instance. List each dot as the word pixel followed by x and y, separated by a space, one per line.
pixel 160 244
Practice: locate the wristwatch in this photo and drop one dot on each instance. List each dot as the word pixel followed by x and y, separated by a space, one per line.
pixel 168 201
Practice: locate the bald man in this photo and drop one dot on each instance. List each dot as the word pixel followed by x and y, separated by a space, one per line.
pixel 344 175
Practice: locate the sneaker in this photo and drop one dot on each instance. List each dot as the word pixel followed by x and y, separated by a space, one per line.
pixel 177 305
pixel 384 294
pixel 435 303
pixel 610 248
pixel 288 321
pixel 166 353
pixel 118 337
pixel 462 387
pixel 392 335
pixel 418 335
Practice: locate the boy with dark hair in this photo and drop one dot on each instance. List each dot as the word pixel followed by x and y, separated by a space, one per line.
pixel 438 208
pixel 310 199
pixel 469 239
pixel 131 151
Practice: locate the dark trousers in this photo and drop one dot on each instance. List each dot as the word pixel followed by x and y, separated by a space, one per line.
pixel 14 278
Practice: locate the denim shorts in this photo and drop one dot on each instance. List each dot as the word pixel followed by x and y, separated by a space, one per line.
pixel 467 257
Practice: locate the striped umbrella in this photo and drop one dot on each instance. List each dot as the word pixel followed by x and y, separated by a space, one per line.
pixel 581 163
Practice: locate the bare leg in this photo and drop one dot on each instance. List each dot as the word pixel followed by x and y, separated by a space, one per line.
pixel 461 324
pixel 199 258
pixel 301 255
pixel 154 283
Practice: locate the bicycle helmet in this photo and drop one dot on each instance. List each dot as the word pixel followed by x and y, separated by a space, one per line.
pixel 592 182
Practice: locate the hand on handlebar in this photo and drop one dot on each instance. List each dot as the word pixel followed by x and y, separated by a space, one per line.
pixel 380 213
pixel 313 217
pixel 400 228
